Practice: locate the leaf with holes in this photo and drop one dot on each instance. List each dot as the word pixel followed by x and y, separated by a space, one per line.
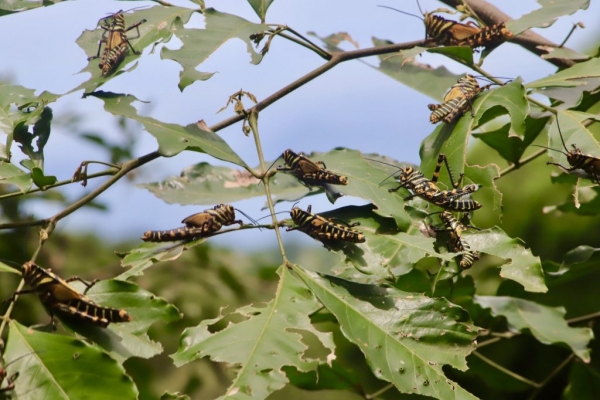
pixel 406 337
pixel 266 340
pixel 546 324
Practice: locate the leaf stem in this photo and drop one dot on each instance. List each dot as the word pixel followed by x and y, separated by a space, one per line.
pixel 126 167
pixel 522 162
pixel 551 375
pixel 584 318
pixel 303 41
pixel 253 123
pixel 506 371
pixel 111 171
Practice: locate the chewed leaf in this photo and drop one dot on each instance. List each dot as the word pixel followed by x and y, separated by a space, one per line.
pixel 199 44
pixel 546 324
pixel 406 337
pixel 266 340
pixel 546 15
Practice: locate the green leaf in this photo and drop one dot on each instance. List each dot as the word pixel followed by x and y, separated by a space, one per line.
pixel 148 254
pixel 462 54
pixel 11 174
pixel 406 337
pixel 546 15
pixel 14 6
pixel 332 41
pixel 199 44
pixel 577 75
pixel 520 265
pixel 51 367
pixel 41 132
pixel 20 107
pixel 161 23
pixel 562 52
pixel 511 148
pixel 172 138
pixel 6 268
pixel 40 179
pixel 387 251
pixel 260 7
pixel 573 132
pixel 430 81
pixel 205 184
pixel 546 324
pixel 126 339
pixel 266 340
pixel 510 97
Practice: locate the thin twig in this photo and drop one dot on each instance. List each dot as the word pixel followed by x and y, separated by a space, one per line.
pixel 336 58
pixel 506 371
pixel 522 162
pixel 584 318
pixel 111 171
pixel 126 167
pixel 552 375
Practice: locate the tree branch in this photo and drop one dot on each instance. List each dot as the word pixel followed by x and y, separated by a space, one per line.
pixel 336 58
pixel 529 40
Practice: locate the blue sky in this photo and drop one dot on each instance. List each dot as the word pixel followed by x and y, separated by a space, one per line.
pixel 352 105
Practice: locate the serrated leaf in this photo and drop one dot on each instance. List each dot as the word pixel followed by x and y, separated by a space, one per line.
pixel 127 339
pixel 52 366
pixel 199 44
pixel 172 138
pixel 260 7
pixel 520 264
pixel 421 77
pixel 148 254
pixel 562 52
pixel 406 337
pixel 10 173
pixel 546 324
pixel 546 15
pixel 511 148
pixel 205 184
pixel 577 75
pixel 264 342
pixel 161 23
pixel 510 97
pixel 387 251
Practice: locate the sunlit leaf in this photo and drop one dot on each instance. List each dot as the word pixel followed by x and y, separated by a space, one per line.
pixel 126 339
pixel 578 74
pixel 161 23
pixel 51 367
pixel 510 97
pixel 462 54
pixel 546 324
pixel 520 264
pixel 148 254
pixel 387 252
pixel 546 15
pixel 172 138
pixel 199 44
pixel 14 6
pixel 407 338
pixel 266 340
